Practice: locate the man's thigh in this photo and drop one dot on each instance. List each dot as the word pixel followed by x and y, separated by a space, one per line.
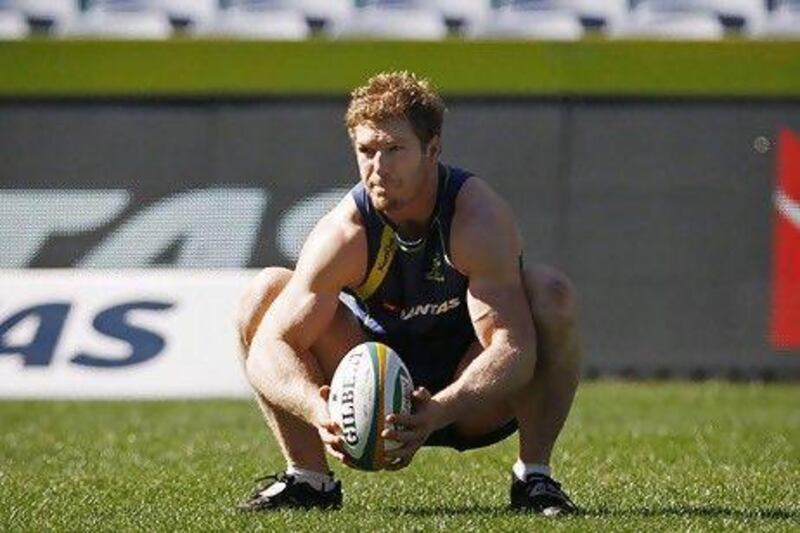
pixel 342 334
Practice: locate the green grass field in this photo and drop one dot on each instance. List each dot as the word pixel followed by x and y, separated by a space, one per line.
pixel 636 457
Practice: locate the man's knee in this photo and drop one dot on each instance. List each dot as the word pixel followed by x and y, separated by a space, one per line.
pixel 553 299
pixel 254 303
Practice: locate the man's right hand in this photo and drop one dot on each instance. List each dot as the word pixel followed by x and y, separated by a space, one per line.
pixel 329 431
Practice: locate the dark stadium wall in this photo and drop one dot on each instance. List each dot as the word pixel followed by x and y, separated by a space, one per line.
pixel 661 210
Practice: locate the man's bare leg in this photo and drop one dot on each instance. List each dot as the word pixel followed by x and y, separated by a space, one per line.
pixel 298 440
pixel 542 408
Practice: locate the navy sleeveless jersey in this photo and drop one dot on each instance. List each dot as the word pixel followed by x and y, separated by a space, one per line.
pixel 413 296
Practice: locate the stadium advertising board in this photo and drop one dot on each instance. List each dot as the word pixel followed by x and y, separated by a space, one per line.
pixel 786 265
pixel 128 334
pixel 661 211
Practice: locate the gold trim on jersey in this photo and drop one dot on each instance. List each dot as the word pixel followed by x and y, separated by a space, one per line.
pixel 381 265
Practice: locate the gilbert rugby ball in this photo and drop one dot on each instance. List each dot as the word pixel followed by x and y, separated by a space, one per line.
pixel 370 383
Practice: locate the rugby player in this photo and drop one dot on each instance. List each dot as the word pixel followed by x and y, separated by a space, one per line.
pixel 427 259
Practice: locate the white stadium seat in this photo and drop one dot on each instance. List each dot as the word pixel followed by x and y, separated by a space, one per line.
pixel 392 19
pixel 326 11
pixel 121 19
pixel 13 24
pixel 671 19
pixel 752 14
pixel 50 13
pixel 188 12
pixel 259 19
pixel 463 14
pixel 532 19
pixel 607 14
pixel 784 21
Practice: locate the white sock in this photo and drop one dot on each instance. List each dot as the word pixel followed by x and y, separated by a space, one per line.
pixel 316 479
pixel 522 470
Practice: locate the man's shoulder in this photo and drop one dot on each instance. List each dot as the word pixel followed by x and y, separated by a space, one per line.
pixel 479 206
pixel 483 226
pixel 337 245
pixel 344 220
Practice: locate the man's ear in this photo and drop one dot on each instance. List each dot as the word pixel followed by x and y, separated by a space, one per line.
pixel 434 148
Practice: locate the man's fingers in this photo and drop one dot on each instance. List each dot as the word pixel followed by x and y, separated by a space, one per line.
pixel 336 453
pixel 331 427
pixel 402 419
pixel 330 434
pixel 421 394
pixel 399 435
pixel 404 452
pixel 330 439
pixel 325 392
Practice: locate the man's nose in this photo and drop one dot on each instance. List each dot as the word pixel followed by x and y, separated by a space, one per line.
pixel 380 160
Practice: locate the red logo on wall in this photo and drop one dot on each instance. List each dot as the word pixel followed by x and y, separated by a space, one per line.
pixel 785 330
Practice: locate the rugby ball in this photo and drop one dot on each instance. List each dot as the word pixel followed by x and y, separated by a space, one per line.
pixel 370 383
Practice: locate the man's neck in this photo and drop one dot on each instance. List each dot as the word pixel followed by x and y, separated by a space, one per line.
pixel 413 220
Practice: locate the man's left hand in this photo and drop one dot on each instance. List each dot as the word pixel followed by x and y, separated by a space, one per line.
pixel 411 430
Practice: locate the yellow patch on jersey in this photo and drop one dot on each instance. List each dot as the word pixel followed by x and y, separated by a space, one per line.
pixel 381 266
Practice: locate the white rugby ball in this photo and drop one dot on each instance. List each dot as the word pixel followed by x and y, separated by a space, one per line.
pixel 370 383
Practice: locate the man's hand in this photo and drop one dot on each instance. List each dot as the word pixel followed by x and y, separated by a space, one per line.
pixel 329 431
pixel 411 431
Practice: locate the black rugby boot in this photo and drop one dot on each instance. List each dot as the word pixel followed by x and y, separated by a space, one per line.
pixel 540 494
pixel 284 491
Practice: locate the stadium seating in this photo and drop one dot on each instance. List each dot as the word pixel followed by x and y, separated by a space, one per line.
pixel 121 19
pixel 461 15
pixel 392 19
pixel 402 19
pixel 48 15
pixel 693 19
pixel 259 19
pixel 671 19
pixel 784 21
pixel 13 24
pixel 188 13
pixel 745 16
pixel 530 19
pixel 602 15
pixel 325 13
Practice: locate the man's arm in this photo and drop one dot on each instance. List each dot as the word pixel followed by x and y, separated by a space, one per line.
pixel 486 246
pixel 280 364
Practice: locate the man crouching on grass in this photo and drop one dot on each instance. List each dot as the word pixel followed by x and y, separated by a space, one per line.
pixel 504 357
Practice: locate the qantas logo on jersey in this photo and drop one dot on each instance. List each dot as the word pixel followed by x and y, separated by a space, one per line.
pixel 430 309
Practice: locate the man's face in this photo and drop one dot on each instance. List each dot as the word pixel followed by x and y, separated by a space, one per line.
pixel 392 162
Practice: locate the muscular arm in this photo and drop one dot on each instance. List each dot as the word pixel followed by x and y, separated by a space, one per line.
pixel 487 247
pixel 280 364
